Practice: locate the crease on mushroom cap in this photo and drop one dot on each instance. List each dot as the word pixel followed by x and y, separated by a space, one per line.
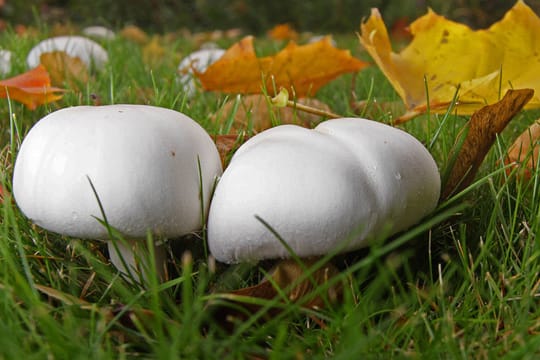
pixel 90 52
pixel 144 162
pixel 316 188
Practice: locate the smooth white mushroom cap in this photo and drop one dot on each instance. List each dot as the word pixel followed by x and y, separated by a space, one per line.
pixel 199 60
pixel 89 51
pixel 99 32
pixel 334 187
pixel 142 160
pixel 5 61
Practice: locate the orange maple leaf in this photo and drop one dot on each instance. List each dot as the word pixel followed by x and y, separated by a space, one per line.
pixel 283 32
pixel 32 88
pixel 301 69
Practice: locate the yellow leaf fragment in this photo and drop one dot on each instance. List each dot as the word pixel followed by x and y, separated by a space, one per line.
pixel 63 68
pixel 153 52
pixel 445 55
pixel 135 34
pixel 302 70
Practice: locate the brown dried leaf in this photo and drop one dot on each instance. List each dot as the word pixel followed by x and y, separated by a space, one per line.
pixel 481 132
pixel 256 114
pixel 524 151
pixel 65 69
pixel 285 280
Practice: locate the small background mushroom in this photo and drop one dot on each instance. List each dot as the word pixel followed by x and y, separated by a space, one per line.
pixel 89 51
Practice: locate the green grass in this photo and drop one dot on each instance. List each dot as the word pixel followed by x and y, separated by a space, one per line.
pixel 462 284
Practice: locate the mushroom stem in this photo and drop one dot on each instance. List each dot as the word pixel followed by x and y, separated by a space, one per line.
pixel 132 257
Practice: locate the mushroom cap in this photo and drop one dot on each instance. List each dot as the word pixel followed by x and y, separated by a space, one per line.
pixel 5 61
pixel 89 51
pixel 333 187
pixel 200 60
pixel 142 160
pixel 98 31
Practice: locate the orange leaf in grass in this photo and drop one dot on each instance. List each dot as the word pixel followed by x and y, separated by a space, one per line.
pixel 445 56
pixel 301 69
pixel 32 88
pixel 524 151
pixel 283 32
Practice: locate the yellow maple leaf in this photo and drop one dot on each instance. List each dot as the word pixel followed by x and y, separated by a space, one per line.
pixel 63 68
pixel 302 69
pixel 31 88
pixel 445 55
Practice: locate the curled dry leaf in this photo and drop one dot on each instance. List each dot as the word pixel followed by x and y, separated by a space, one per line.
pixel 445 55
pixel 63 69
pixel 481 131
pixel 300 69
pixel 255 113
pixel 32 88
pixel 289 283
pixel 523 153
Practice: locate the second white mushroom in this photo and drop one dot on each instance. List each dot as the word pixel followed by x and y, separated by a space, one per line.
pixel 334 187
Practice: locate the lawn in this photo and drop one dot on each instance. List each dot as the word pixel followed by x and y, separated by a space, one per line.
pixel 463 283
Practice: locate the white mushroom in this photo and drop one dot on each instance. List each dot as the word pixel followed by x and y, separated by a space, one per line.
pixel 199 60
pixel 334 187
pixel 100 32
pixel 153 170
pixel 89 51
pixel 5 62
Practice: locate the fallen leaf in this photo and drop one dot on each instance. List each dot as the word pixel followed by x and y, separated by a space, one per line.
pixel 283 32
pixel 32 88
pixel 254 113
pixel 289 283
pixel 63 69
pixel 523 153
pixel 481 132
pixel 135 34
pixel 300 69
pixel 445 56
pixel 153 53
